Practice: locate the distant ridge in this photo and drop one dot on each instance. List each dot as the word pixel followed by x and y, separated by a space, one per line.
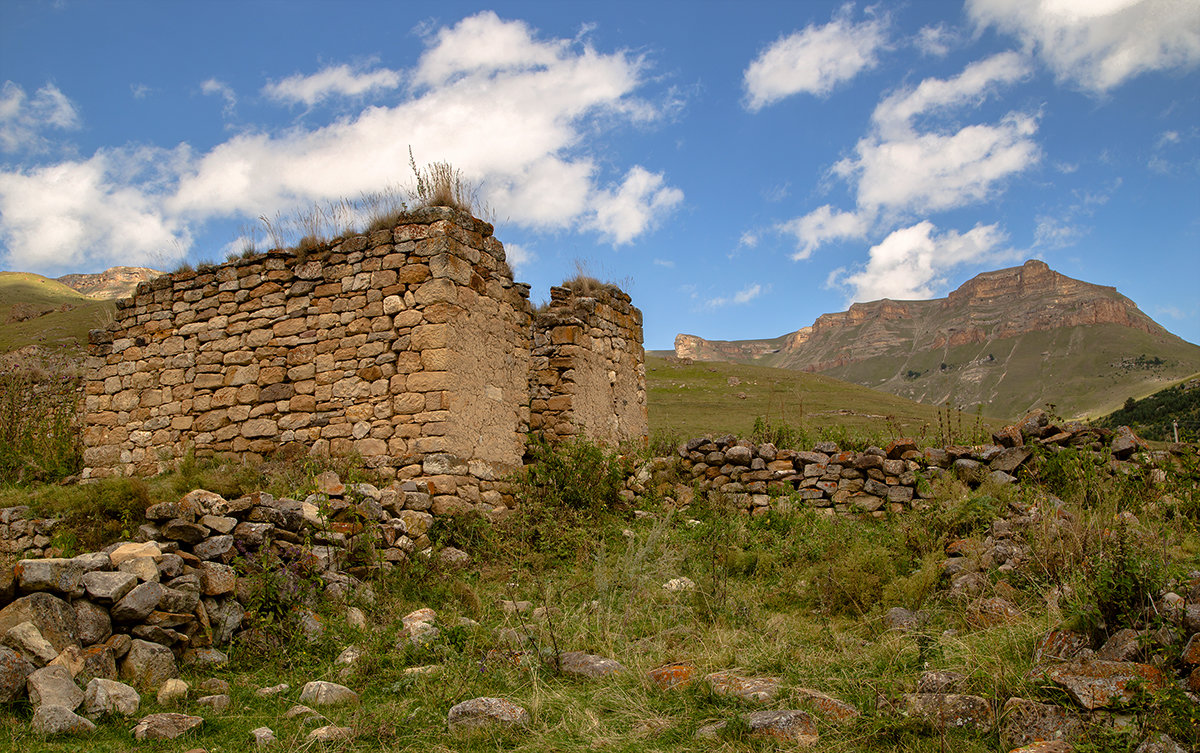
pixel 1006 340
pixel 112 283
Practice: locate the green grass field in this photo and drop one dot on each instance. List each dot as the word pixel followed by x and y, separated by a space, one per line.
pixel 701 398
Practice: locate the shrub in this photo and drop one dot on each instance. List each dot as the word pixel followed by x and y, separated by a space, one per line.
pixel 39 431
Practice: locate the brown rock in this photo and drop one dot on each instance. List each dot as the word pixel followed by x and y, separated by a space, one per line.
pixel 950 709
pixel 833 709
pixel 167 726
pixel 1096 684
pixel 757 689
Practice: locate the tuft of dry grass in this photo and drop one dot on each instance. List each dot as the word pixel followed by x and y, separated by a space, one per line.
pixel 440 184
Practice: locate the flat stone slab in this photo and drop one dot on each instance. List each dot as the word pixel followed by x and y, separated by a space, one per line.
pixel 950 709
pixel 321 693
pixel 757 689
pixel 678 674
pixel 479 714
pixel 1097 684
pixel 833 709
pixel 166 726
pixel 787 725
pixel 59 720
pixel 579 664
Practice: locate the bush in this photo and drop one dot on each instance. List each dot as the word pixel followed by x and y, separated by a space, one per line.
pixel 566 490
pixel 39 428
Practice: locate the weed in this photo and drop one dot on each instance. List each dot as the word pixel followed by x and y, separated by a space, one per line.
pixel 39 435
pixel 440 184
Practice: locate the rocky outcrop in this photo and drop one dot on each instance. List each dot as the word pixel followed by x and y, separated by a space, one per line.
pixel 112 283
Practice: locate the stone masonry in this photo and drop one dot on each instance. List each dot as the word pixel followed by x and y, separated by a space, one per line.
pixel 412 347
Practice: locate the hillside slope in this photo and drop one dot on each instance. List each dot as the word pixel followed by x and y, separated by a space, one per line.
pixel 112 283
pixel 35 310
pixel 693 399
pixel 1007 340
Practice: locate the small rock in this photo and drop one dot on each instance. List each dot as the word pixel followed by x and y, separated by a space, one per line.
pixel 302 712
pixel 1161 743
pixel 757 689
pixel 591 666
pixel 950 709
pixel 679 584
pixel 356 619
pixel 833 709
pixel 936 681
pixel 262 736
pixel 899 618
pixel 675 675
pixel 219 702
pixel 1096 684
pixel 321 693
pixel 480 714
pixel 788 725
pixel 331 733
pixel 166 726
pixel 27 640
pixel 1023 722
pixel 14 668
pixel 274 690
pixel 173 691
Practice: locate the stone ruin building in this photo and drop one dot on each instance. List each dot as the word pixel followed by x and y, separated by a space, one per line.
pixel 412 347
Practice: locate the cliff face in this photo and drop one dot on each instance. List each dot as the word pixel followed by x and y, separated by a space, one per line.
pixel 112 283
pixel 998 338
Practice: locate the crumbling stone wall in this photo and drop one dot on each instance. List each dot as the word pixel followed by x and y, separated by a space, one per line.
pixel 412 347
pixel 588 374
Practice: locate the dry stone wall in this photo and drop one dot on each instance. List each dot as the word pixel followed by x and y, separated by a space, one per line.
pixel 411 347
pixel 588 374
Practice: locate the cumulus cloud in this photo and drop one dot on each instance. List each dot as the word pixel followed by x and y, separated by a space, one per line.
pixel 640 202
pixel 907 165
pixel 519 257
pixel 815 59
pixel 912 262
pixel 1099 44
pixel 514 112
pixel 23 118
pixel 336 80
pixel 740 298
pixel 822 225
pixel 65 216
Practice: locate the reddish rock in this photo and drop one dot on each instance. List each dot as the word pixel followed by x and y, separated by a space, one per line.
pixel 679 674
pixel 991 612
pixel 833 709
pixel 758 689
pixel 1097 684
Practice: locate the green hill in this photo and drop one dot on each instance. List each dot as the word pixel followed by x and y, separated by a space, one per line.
pixel 38 311
pixel 1157 416
pixel 691 399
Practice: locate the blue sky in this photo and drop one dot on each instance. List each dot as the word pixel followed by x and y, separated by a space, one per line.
pixel 740 167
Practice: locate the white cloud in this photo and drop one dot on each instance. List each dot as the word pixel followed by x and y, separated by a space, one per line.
pixel 1056 232
pixel 822 225
pixel 223 90
pixel 668 263
pixel 22 118
pixel 66 216
pixel 740 298
pixel 935 171
pixel 815 59
pixel 337 80
pixel 895 114
pixel 912 262
pixel 907 166
pixel 1099 44
pixel 515 113
pixel 636 206
pixel 519 257
pixel 139 91
pixel 935 41
pixel 748 239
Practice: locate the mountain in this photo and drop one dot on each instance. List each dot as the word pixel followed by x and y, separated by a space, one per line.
pixel 112 283
pixel 1006 341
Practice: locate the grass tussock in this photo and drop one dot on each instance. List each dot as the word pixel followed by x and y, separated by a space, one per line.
pixel 440 184
pixel 39 426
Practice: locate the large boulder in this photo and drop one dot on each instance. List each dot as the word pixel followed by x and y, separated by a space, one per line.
pixel 14 668
pixel 52 616
pixel 50 574
pixel 148 665
pixel 53 686
pixel 107 697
